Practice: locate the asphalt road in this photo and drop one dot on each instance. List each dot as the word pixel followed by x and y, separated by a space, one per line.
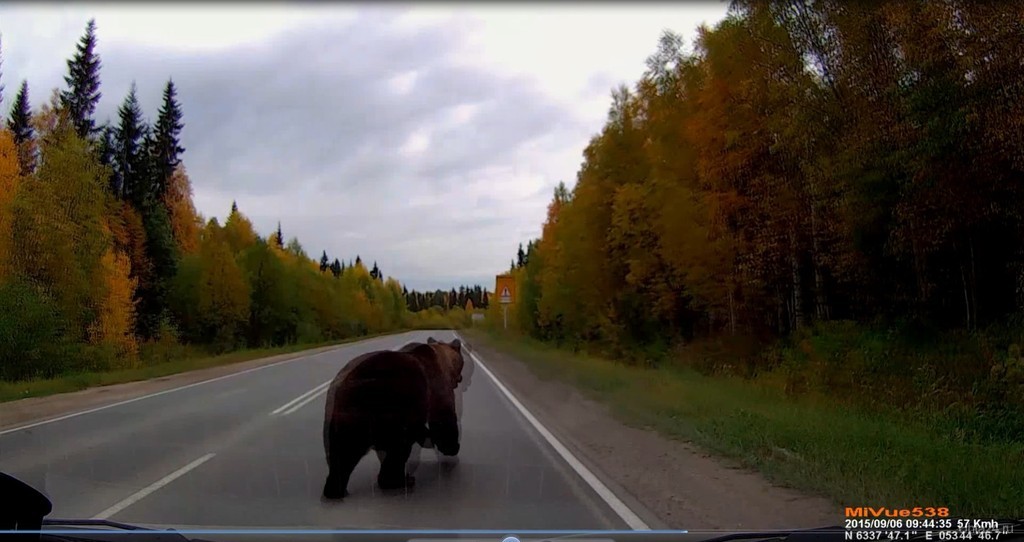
pixel 245 451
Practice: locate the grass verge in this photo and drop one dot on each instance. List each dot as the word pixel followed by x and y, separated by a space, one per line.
pixel 854 457
pixel 11 391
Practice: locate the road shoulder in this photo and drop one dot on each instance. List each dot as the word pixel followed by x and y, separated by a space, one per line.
pixel 680 485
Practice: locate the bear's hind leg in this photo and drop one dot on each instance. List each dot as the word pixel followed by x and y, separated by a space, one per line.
pixel 392 469
pixel 344 458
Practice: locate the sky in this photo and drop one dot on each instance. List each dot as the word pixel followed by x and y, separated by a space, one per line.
pixel 425 137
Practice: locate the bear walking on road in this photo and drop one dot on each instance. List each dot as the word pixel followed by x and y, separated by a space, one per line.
pixel 389 401
pixel 462 369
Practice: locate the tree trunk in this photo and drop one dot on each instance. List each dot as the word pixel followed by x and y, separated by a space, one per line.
pixel 782 309
pixel 821 311
pixel 732 312
pixel 797 315
pixel 967 298
pixel 973 283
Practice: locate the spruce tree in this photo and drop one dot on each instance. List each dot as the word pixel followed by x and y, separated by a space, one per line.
pixel 108 152
pixel 130 156
pixel 20 125
pixel 167 149
pixel 324 262
pixel 83 80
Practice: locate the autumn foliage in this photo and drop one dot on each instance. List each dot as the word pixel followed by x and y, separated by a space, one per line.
pixel 106 263
pixel 806 164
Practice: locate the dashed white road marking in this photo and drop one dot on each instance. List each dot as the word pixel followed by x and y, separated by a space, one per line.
pixel 313 392
pixel 307 400
pixel 141 494
pixel 163 392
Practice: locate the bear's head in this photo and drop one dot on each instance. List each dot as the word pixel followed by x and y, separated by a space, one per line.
pixel 451 356
pixel 444 427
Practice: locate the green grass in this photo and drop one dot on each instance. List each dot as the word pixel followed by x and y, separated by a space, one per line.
pixel 851 456
pixel 10 391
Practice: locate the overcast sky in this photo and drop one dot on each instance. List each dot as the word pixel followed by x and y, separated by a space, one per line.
pixel 427 138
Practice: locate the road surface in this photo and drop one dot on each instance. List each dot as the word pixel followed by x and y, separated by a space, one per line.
pixel 245 451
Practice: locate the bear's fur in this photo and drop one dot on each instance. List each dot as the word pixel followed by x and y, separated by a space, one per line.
pixel 389 401
pixel 452 354
pixel 443 361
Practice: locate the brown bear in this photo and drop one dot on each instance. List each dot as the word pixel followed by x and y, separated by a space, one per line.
pixel 389 401
pixel 451 355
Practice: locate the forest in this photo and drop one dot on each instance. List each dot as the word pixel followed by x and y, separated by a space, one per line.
pixel 824 195
pixel 106 264
pixel 467 297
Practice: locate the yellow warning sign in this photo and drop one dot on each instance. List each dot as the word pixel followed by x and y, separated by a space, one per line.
pixel 505 288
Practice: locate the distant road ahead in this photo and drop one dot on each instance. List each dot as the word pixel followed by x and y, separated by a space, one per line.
pixel 245 451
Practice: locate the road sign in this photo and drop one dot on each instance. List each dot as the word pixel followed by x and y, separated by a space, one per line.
pixel 505 288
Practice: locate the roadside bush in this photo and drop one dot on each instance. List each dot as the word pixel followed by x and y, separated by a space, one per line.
pixel 165 347
pixel 32 332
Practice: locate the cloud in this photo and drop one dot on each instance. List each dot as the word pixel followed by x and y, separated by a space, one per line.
pixel 426 139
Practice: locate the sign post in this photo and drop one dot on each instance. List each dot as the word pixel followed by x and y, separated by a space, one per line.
pixel 505 287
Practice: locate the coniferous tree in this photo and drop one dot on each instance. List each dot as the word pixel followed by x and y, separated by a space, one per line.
pixel 20 125
pixel 134 181
pixel 336 268
pixel 324 262
pixel 279 237
pixel 108 152
pixel 83 80
pixel 162 251
pixel 167 149
pixel 130 158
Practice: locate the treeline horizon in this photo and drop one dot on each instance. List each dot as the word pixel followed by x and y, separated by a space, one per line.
pixel 105 262
pixel 807 166
pixel 466 297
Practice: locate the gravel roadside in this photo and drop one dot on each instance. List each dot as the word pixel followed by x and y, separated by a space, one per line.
pixel 682 486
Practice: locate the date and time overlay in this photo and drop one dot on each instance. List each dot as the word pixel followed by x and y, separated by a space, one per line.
pixel 921 523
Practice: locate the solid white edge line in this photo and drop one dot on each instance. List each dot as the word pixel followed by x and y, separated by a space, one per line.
pixel 306 401
pixel 141 494
pixel 172 390
pixel 602 490
pixel 285 406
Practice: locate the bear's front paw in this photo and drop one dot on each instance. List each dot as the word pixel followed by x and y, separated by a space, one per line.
pixel 333 492
pixel 396 482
